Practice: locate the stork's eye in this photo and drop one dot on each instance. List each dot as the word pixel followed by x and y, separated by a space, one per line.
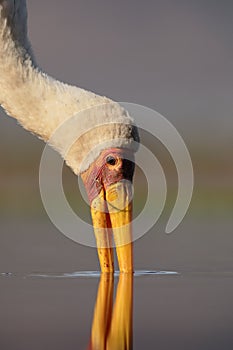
pixel 111 160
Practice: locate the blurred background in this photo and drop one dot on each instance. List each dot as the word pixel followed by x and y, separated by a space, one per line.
pixel 175 57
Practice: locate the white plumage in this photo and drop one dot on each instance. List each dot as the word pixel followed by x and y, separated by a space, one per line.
pixel 41 104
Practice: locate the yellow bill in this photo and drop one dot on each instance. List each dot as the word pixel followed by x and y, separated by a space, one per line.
pixel 112 215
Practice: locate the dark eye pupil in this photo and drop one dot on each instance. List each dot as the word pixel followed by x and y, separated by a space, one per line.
pixel 111 160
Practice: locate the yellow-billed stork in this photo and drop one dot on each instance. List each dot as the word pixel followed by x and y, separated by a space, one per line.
pixel 102 156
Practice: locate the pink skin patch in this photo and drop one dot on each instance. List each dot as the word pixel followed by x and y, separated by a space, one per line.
pixel 113 165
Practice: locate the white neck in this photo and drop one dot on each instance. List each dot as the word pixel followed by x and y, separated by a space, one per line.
pixel 42 104
pixel 39 102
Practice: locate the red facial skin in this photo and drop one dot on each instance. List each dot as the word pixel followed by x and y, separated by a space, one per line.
pixel 111 166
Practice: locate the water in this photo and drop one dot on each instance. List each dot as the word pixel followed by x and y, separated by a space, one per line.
pixel 183 303
pixel 170 309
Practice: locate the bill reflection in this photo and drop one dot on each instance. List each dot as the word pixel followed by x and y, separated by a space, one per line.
pixel 112 324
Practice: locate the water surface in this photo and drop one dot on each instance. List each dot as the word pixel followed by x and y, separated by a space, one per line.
pixel 180 297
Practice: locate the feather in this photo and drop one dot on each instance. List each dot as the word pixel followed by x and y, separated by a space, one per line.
pixel 77 123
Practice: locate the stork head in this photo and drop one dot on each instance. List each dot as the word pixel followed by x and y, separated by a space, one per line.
pixel 108 182
pixel 103 154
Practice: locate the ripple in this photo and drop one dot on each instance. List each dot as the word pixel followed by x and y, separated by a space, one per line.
pixel 97 274
pixel 151 272
pixel 6 274
pixel 87 274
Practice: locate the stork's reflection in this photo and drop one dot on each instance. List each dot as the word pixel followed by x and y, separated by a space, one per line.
pixel 112 325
